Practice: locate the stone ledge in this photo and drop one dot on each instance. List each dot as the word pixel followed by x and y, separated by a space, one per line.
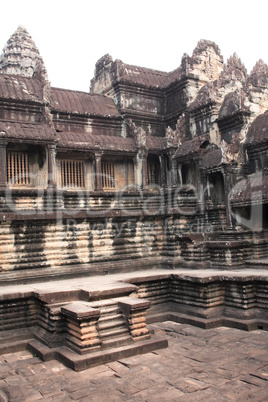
pixel 80 310
pixel 209 323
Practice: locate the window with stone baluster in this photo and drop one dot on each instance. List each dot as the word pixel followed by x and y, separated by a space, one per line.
pixel 108 175
pixel 72 173
pixel 18 168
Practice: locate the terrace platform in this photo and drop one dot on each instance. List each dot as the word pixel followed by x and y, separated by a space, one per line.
pixel 88 321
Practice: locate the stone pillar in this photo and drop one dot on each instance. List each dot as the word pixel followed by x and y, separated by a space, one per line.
pixel 199 184
pixel 163 177
pixel 3 164
pixel 173 170
pixel 134 311
pixel 226 197
pixel 180 173
pixel 138 170
pixel 144 169
pixel 51 166
pixel 141 169
pixel 98 173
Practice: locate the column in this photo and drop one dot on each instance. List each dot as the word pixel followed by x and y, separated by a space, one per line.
pixel 180 174
pixel 226 198
pixel 98 173
pixel 163 178
pixel 144 169
pixel 3 166
pixel 51 165
pixel 173 170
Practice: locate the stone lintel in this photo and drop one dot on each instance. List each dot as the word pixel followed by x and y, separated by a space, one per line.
pixel 80 310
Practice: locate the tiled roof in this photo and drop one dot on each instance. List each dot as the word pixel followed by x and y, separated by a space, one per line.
pixel 89 141
pixel 155 143
pixel 211 158
pixel 192 146
pixel 258 131
pixel 20 88
pixel 82 103
pixel 25 131
pixel 142 76
pixel 173 76
pixel 252 190
pixel 148 77
pixel 206 96
pixel 105 142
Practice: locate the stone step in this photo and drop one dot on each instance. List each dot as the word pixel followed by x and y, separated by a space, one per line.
pixel 112 323
pixel 112 333
pixel 107 317
pixel 117 342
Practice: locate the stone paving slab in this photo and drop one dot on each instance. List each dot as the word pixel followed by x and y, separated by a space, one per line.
pixel 223 364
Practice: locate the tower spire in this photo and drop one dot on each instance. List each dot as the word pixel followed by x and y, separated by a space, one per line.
pixel 20 55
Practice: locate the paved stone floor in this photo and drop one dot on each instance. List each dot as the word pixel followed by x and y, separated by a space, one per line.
pixel 222 364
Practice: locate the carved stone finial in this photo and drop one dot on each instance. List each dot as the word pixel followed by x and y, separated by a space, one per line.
pixel 259 75
pixel 232 152
pixel 206 61
pixel 203 45
pixel 138 133
pixel 234 70
pixel 174 138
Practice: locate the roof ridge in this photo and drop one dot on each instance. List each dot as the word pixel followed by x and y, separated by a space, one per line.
pixel 79 92
pixel 146 68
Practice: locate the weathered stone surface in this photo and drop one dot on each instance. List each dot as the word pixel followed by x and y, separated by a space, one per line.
pixel 150 170
pixel 199 364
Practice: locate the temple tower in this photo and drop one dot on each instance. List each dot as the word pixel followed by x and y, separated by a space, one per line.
pixel 20 55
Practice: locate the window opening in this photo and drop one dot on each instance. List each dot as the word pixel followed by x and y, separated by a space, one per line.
pixel 153 172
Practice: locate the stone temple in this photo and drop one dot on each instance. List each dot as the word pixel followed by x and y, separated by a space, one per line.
pixel 142 200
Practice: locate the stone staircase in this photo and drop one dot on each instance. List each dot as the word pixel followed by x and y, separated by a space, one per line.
pixel 82 334
pixel 112 326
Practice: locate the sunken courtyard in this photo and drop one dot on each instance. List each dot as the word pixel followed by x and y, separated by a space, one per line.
pixel 141 201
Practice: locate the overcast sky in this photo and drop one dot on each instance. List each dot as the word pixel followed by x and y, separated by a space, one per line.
pixel 72 35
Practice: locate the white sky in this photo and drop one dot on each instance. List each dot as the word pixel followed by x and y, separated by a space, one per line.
pixel 72 35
